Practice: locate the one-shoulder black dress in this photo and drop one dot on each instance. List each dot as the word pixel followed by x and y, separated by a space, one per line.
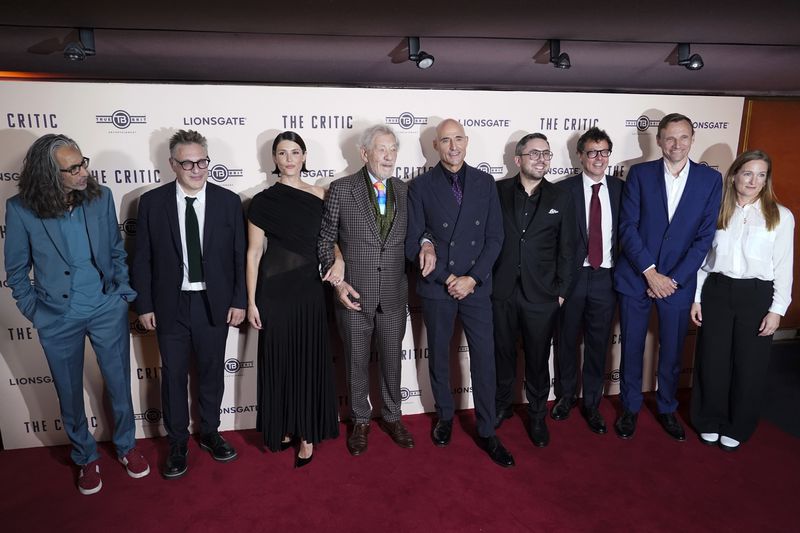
pixel 295 371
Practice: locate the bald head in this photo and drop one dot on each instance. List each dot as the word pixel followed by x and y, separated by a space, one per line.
pixel 451 143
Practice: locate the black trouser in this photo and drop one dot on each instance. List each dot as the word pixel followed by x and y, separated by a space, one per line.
pixel 192 332
pixel 731 360
pixel 516 317
pixel 588 308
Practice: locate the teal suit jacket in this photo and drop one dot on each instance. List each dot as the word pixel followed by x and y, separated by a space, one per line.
pixel 36 243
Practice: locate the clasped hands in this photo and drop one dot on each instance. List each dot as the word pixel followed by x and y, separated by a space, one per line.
pixel 659 285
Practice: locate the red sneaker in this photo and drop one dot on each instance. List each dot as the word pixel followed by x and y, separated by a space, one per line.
pixel 135 463
pixel 89 481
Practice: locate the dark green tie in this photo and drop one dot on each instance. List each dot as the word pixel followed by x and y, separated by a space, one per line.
pixel 193 243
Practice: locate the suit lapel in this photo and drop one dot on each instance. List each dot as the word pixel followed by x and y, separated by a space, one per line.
pixel 545 201
pixel 361 198
pixel 614 194
pixel 578 195
pixel 209 222
pixel 54 232
pixel 507 193
pixel 92 230
pixel 399 203
pixel 171 210
pixel 661 188
pixel 688 193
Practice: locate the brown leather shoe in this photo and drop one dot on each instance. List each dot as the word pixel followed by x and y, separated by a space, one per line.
pixel 357 441
pixel 399 433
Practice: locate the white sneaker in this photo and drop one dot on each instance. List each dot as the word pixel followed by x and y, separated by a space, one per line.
pixel 728 444
pixel 709 438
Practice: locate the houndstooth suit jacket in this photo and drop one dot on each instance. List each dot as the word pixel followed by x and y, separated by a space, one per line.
pixel 375 269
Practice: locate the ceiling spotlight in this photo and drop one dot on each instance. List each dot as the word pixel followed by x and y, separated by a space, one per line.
pixel 422 59
pixel 691 62
pixel 77 51
pixel 558 59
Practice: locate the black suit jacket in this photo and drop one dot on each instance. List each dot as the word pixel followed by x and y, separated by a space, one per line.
pixel 544 250
pixel 574 186
pixel 157 270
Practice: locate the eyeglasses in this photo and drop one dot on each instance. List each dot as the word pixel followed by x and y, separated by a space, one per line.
pixel 591 154
pixel 533 155
pixel 75 169
pixel 189 164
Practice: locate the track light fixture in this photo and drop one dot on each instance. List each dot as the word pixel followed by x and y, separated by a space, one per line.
pixel 558 59
pixel 422 59
pixel 687 59
pixel 77 51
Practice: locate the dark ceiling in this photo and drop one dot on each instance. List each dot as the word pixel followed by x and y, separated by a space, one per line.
pixel 748 48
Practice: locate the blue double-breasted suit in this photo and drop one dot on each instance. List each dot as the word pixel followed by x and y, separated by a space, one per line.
pixel 468 238
pixel 677 248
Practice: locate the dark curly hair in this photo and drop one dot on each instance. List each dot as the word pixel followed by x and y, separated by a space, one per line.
pixel 40 185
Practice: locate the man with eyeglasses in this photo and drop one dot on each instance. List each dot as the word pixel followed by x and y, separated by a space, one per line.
pixel 189 271
pixel 591 298
pixel 63 225
pixel 667 222
pixel 532 276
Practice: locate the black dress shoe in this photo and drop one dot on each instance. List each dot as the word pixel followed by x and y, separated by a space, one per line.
pixel 497 452
pixel 300 462
pixel 176 465
pixel 538 433
pixel 220 450
pixel 503 414
pixel 625 426
pixel 672 426
pixel 595 420
pixel 562 408
pixel 442 432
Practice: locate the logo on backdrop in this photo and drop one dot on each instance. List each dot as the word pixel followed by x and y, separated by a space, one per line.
pixel 462 390
pixel 234 366
pixel 20 334
pixel 121 119
pixel 29 380
pixel 318 122
pixel 220 173
pixel 214 121
pixel 9 176
pixel 2 232
pixel 643 123
pixel 32 120
pixel 128 227
pixel 148 372
pixel 405 393
pixel 413 354
pixel 563 171
pixel 485 122
pixel 705 164
pixel 567 123
pixel 138 330
pixel 43 426
pixel 489 169
pixel 613 376
pixel 151 416
pixel 710 125
pixel 406 120
pixel 406 173
pixel 236 409
pixel 126 175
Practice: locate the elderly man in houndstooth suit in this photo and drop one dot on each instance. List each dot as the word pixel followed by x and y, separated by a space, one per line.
pixel 365 213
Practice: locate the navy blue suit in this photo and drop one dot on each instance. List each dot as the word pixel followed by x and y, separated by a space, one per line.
pixel 190 322
pixel 677 248
pixel 468 239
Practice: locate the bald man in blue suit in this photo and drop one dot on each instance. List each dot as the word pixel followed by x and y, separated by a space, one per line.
pixel 666 224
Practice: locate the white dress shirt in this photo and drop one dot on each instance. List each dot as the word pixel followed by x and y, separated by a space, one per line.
pixel 675 187
pixel 606 223
pixel 746 250
pixel 199 207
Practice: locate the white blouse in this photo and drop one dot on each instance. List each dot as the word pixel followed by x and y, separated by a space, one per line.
pixel 747 250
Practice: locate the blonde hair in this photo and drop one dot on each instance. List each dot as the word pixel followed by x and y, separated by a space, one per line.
pixel 769 203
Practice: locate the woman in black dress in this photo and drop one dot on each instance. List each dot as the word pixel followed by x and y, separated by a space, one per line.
pixel 296 397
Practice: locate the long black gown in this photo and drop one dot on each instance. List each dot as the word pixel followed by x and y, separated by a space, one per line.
pixel 295 371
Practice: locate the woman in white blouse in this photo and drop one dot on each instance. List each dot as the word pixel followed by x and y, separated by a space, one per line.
pixel 743 289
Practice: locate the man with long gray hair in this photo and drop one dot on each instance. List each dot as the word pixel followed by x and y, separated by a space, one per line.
pixel 365 213
pixel 63 225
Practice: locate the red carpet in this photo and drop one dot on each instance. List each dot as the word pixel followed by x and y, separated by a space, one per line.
pixel 581 482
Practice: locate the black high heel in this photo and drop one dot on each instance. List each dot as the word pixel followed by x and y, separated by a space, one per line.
pixel 285 445
pixel 299 462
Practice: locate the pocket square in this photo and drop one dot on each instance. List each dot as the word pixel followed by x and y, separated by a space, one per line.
pixel 553 212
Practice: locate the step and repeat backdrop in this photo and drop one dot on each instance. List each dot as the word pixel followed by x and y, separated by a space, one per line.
pixel 124 129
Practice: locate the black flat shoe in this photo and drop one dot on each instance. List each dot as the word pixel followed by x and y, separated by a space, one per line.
pixel 286 444
pixel 300 462
pixel 176 464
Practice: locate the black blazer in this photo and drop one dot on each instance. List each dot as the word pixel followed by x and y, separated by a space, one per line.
pixel 157 269
pixel 545 250
pixel 574 186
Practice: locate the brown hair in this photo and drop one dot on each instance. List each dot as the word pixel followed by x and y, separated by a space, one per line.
pixel 769 203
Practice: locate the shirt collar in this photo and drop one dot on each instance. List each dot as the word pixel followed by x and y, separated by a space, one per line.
pixel 588 182
pixel 181 194
pixel 683 174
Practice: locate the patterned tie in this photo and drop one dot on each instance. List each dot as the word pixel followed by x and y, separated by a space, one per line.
pixel 595 229
pixel 193 242
pixel 457 193
pixel 380 189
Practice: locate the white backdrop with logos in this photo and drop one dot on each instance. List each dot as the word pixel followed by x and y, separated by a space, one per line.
pixel 124 129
